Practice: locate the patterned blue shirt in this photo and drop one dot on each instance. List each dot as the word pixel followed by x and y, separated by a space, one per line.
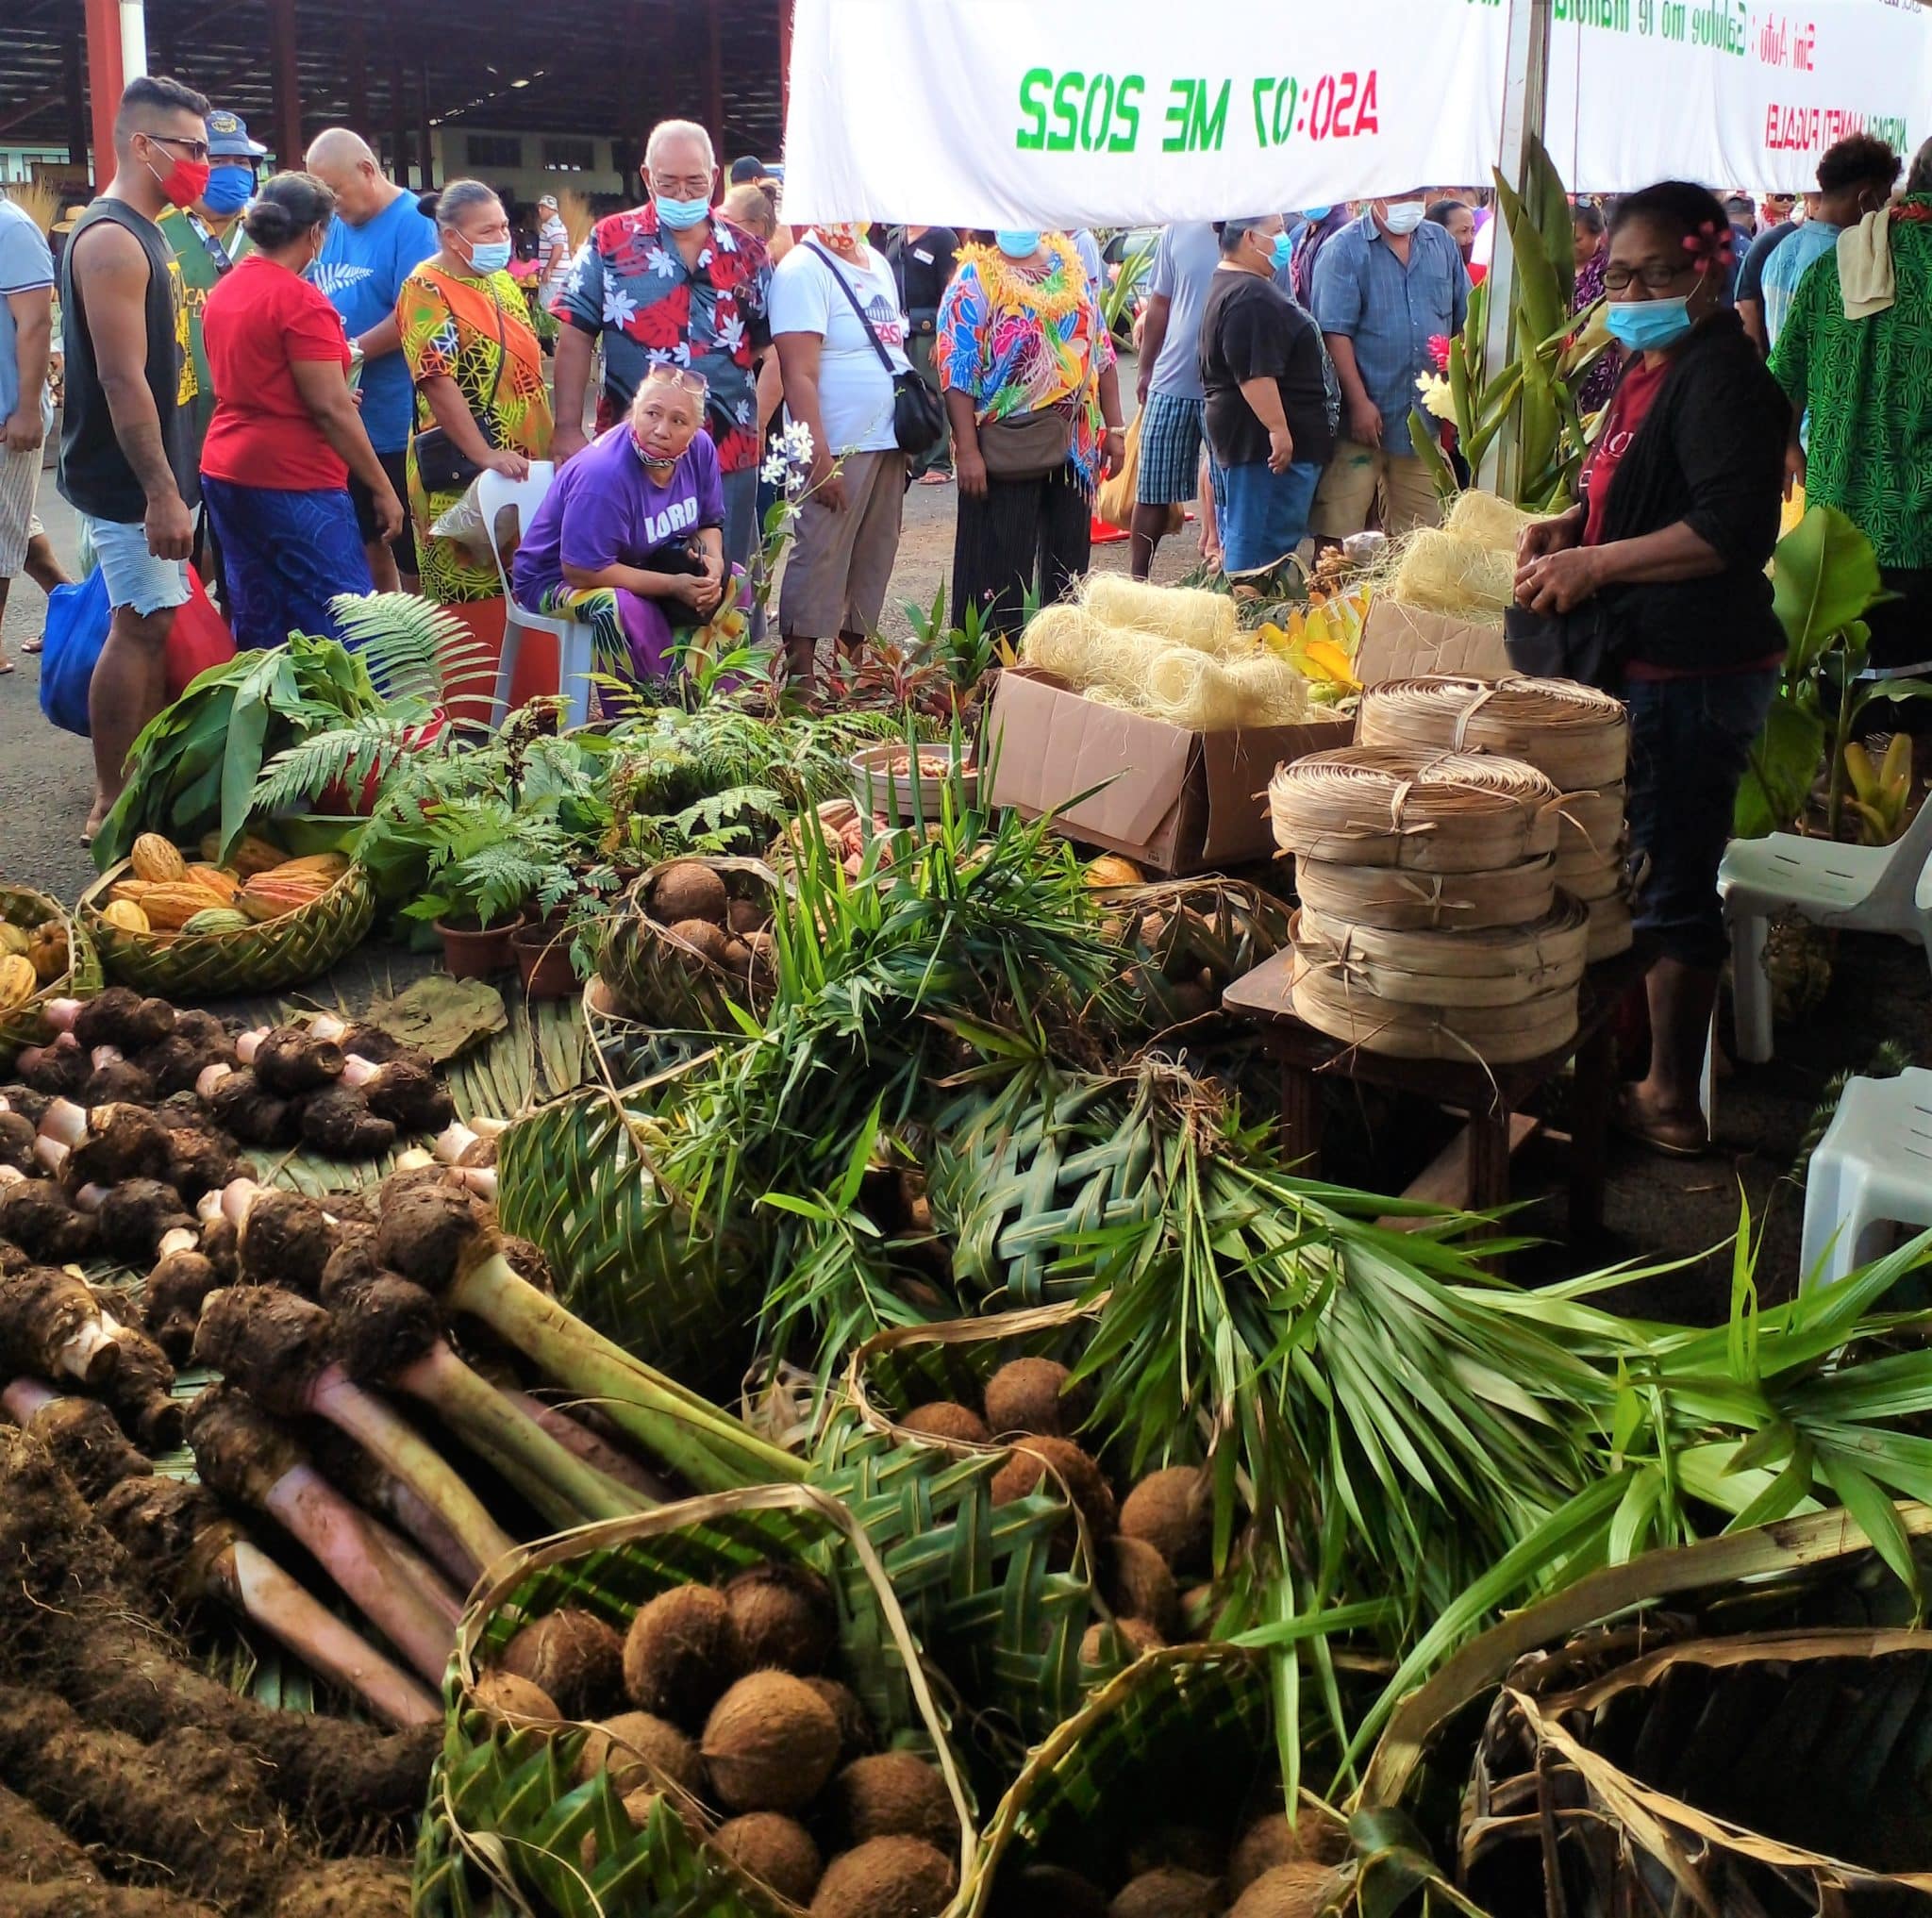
pixel 1391 311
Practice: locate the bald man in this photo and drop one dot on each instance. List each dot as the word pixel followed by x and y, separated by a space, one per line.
pixel 377 239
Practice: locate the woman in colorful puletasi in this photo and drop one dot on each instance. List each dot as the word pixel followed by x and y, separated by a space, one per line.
pixel 1027 366
pixel 630 539
pixel 478 371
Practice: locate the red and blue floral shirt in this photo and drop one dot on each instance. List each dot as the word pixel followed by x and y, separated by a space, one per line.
pixel 629 284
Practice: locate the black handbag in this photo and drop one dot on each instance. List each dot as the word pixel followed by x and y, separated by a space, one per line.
pixel 1578 644
pixel 443 465
pixel 919 416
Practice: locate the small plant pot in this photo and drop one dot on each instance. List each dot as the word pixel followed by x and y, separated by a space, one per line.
pixel 541 949
pixel 886 786
pixel 474 952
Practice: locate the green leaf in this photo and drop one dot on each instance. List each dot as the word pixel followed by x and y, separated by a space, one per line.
pixel 1784 764
pixel 1422 435
pixel 1824 576
pixel 1876 1516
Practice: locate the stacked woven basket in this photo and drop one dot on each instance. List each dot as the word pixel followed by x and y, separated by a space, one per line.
pixel 1457 867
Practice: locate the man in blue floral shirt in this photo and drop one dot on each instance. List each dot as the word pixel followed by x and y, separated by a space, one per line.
pixel 672 283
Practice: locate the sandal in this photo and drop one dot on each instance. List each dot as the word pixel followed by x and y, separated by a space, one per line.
pixel 935 477
pixel 1673 1138
pixel 31 645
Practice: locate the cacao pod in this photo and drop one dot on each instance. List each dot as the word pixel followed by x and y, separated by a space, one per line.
pixel 18 982
pixel 219 918
pixel 328 867
pixel 124 916
pixel 156 859
pixel 251 854
pixel 48 952
pixel 170 907
pixel 15 940
pixel 220 883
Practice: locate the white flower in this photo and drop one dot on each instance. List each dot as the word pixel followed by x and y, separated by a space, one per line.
pixel 669 355
pixel 722 233
pixel 731 334
pixel 659 261
pixel 1439 397
pixel 776 470
pixel 705 258
pixel 744 412
pixel 796 441
pixel 618 306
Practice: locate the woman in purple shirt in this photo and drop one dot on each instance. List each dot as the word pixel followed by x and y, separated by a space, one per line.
pixel 630 540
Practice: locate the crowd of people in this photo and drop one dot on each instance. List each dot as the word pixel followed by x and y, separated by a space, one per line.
pixel 297 381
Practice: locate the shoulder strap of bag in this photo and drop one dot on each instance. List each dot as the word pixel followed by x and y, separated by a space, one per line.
pixel 864 318
pixel 502 342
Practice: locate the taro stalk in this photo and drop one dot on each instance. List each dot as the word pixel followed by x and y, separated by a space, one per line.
pixel 433 1236
pixel 51 1326
pixel 250 1458
pixel 276 1347
pixel 186 1547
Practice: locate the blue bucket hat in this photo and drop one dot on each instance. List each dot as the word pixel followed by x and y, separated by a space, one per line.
pixel 227 137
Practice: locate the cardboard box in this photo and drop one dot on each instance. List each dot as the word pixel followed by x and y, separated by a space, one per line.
pixel 1175 801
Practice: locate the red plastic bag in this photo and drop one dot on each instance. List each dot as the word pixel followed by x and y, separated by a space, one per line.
pixel 198 639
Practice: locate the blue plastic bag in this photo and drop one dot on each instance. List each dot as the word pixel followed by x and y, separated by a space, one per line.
pixel 77 629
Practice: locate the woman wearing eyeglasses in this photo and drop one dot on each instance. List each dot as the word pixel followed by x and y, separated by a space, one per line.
pixel 1656 577
pixel 630 540
pixel 480 398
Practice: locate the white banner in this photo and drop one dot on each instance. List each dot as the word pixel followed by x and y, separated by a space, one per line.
pixel 996 113
pixel 1729 93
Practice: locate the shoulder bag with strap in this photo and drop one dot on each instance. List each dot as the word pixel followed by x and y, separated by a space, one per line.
pixel 919 418
pixel 441 463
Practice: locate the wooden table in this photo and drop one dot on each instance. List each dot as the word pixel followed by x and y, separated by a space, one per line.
pixel 1489 1098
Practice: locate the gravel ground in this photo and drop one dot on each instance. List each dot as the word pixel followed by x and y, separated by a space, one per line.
pixel 1657 1208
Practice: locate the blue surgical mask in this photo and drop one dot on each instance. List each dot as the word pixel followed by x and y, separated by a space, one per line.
pixel 1016 244
pixel 489 255
pixel 1316 214
pixel 229 190
pixel 1283 249
pixel 1648 326
pixel 681 215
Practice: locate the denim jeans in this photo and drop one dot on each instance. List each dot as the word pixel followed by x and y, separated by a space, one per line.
pixel 1691 741
pixel 1263 514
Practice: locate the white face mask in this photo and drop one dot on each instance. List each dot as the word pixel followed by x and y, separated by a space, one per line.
pixel 1403 216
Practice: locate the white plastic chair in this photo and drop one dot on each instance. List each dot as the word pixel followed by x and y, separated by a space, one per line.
pixel 575 645
pixel 1860 888
pixel 1872 1169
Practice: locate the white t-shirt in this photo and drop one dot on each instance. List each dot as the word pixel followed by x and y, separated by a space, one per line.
pixel 551 234
pixel 854 391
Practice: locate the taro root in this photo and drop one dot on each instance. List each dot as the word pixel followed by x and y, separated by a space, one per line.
pixel 406 1091
pixel 200 1159
pixel 120 1017
pixel 379 1491
pixel 277 1346
pixel 220 1246
pixel 23 1100
pixel 254 1460
pixel 352 1262
pixel 183 1545
pixel 338 1122
pixel 287 1062
pixel 17 1136
pixel 51 1327
pixel 136 1215
pixel 172 1300
pixel 80 1432
pixel 286 1240
pixel 187 1052
pixel 240 1103
pixel 41 1218
pixel 782 1615
pixel 116 1079
pixel 56 1069
pixel 141 1389
pixel 108 1143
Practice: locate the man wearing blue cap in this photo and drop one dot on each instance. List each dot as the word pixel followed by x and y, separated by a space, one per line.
pixel 206 237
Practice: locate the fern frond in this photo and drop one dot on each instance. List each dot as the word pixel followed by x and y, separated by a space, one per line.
pixel 344 755
pixel 410 645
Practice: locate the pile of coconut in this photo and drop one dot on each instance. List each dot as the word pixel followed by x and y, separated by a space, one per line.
pixel 1151 1547
pixel 717 1699
pixel 710 926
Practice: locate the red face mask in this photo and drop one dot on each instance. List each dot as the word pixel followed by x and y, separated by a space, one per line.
pixel 184 182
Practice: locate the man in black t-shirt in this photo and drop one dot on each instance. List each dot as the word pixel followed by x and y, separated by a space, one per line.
pixel 923 257
pixel 1270 420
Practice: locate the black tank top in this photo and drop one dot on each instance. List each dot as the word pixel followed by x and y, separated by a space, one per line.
pixel 94 474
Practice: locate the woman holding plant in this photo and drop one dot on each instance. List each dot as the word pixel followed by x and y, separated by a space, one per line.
pixel 630 539
pixel 1656 588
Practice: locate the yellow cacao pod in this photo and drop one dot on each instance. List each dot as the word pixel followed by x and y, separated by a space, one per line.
pixel 170 907
pixel 15 940
pixel 326 866
pixel 48 952
pixel 221 883
pixel 18 982
pixel 252 854
pixel 124 916
pixel 156 859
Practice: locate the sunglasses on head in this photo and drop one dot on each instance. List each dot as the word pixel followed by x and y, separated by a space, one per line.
pixel 677 377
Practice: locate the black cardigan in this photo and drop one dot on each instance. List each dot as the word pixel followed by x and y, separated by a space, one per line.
pixel 1711 452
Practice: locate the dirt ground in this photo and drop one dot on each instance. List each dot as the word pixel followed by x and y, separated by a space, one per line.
pixel 1656 1208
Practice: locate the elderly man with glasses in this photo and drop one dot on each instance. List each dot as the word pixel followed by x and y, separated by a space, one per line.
pixel 672 283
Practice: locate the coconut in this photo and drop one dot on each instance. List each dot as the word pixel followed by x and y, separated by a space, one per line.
pixel 1138 1584
pixel 856 1735
pixel 945 1419
pixel 686 890
pixel 885 1878
pixel 1030 1395
pixel 639 1804
pixel 639 1749
pixel 1291 1891
pixel 1076 1475
pixel 894 1794
pixel 575 1656
pixel 1174 1510
pixel 1177 1847
pixel 770 1743
pixel 502 1695
pixel 742 916
pixel 1049 1891
pixel 1104 1647
pixel 783 1616
pixel 704 939
pixel 1269 1840
pixel 738 958
pixel 1167 1893
pixel 680 1653
pixel 775 1850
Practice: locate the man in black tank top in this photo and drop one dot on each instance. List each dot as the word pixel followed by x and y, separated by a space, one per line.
pixel 127 460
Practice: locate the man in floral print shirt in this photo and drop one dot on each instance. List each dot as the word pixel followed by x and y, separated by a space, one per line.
pixel 671 282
